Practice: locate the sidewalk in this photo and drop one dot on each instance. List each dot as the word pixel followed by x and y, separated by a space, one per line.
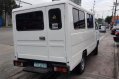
pixel 118 58
pixel 5 28
pixel 116 61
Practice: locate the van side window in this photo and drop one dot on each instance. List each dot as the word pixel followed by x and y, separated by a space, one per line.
pixel 75 18
pixel 55 22
pixel 78 19
pixel 30 21
pixel 90 23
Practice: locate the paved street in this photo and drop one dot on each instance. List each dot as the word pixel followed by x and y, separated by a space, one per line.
pixel 97 67
pixel 6 36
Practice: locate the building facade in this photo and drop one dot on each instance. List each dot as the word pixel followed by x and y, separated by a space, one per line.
pixel 115 20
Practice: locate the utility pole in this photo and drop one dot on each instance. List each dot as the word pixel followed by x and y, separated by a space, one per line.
pixel 112 11
pixel 94 7
pixel 115 10
pixel 112 14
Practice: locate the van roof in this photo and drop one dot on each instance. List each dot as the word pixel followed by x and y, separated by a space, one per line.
pixel 48 4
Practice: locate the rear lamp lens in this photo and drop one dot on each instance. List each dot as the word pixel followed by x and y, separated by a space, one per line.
pixel 60 69
pixel 17 63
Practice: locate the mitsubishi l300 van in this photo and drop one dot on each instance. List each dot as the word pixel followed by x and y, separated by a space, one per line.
pixel 55 36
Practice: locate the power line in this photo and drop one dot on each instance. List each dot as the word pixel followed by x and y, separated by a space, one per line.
pixel 115 4
pixel 23 2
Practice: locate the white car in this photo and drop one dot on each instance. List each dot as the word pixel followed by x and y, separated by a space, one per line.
pixel 102 29
pixel 55 36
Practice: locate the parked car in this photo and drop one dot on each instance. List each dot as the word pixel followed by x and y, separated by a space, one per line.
pixel 116 38
pixel 113 30
pixel 102 28
pixel 117 33
pixel 56 36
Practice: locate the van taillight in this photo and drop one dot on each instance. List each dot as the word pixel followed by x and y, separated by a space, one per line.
pixel 18 63
pixel 60 69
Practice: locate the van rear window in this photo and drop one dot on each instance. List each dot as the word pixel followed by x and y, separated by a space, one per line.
pixel 55 19
pixel 30 21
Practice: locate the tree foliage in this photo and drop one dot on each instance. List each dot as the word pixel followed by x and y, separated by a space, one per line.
pixel 108 19
pixel 1 7
pixel 7 6
pixel 100 20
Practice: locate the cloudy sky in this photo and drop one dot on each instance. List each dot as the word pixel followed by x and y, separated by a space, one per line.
pixel 103 8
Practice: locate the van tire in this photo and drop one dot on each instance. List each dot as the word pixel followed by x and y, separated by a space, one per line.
pixel 95 52
pixel 81 67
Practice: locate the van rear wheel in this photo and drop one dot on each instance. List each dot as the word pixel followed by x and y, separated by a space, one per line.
pixel 81 67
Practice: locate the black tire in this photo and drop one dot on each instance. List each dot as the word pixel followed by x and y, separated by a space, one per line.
pixel 95 52
pixel 81 67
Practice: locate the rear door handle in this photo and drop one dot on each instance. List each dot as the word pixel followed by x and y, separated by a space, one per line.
pixel 42 38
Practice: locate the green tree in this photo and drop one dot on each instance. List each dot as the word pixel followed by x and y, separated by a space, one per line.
pixel 1 7
pixel 9 5
pixel 108 19
pixel 100 20
pixel 6 7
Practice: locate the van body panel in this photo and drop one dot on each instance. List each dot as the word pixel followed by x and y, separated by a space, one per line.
pixel 52 48
pixel 56 38
pixel 54 44
pixel 28 43
pixel 80 40
pixel 91 40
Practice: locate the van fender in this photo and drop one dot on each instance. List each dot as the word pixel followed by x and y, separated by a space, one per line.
pixel 84 53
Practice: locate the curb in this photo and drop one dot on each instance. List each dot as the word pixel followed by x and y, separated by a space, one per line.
pixel 116 62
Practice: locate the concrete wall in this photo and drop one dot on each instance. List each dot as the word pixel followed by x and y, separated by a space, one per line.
pixel 75 1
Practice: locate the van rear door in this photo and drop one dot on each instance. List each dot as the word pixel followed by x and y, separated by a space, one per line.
pixel 31 34
pixel 56 33
pixel 40 34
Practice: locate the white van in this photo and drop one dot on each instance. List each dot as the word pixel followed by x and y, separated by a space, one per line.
pixel 56 36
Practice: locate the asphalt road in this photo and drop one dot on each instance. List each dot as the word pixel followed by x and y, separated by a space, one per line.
pixel 97 67
pixel 6 36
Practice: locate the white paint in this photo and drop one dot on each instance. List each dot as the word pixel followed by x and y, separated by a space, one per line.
pixel 64 45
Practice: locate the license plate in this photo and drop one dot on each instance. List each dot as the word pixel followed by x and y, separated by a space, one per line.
pixel 41 65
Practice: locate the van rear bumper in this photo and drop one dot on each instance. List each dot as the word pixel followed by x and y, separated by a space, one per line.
pixel 51 66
